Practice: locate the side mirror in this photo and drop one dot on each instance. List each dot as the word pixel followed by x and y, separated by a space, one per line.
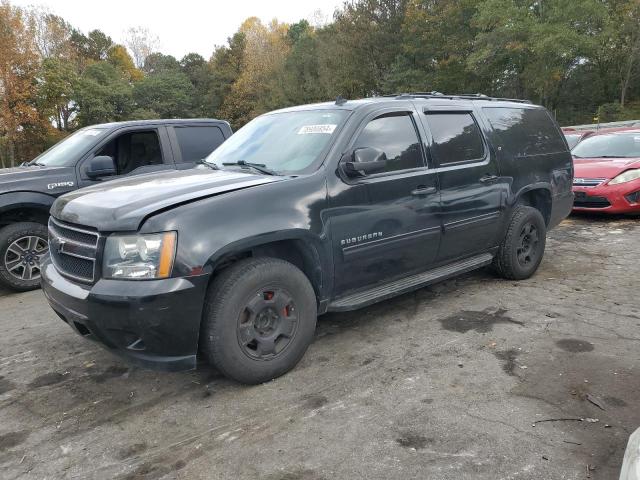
pixel 365 161
pixel 101 166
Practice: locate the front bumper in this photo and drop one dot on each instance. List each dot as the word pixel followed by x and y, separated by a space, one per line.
pixel 154 324
pixel 622 198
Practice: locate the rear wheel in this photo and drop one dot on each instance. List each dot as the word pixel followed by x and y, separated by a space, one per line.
pixel 259 319
pixel 523 247
pixel 22 248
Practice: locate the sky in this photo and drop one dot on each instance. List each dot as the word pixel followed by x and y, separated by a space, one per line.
pixel 182 26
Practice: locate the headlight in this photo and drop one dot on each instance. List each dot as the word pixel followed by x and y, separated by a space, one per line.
pixel 139 257
pixel 627 176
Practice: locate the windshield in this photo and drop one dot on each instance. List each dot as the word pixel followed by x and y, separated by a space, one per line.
pixel 572 139
pixel 286 142
pixel 66 152
pixel 615 145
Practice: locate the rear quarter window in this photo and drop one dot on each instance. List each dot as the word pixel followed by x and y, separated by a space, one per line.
pixel 525 131
pixel 197 142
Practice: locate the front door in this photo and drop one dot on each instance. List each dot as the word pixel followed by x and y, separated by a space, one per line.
pixel 472 191
pixel 385 224
pixel 135 151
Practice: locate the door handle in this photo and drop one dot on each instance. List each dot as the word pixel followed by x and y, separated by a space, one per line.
pixel 422 190
pixel 488 178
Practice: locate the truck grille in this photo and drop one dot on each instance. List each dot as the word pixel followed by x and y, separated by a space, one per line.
pixel 73 250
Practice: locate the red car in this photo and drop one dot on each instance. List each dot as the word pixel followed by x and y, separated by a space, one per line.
pixel 607 172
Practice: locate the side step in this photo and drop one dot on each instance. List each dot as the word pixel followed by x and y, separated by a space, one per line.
pixel 397 287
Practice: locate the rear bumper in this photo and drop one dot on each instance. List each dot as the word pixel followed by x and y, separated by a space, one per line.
pixel 154 324
pixel 622 198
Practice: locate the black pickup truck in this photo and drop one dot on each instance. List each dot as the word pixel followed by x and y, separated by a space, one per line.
pixel 89 156
pixel 316 208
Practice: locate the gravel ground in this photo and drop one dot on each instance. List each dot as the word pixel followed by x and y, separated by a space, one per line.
pixel 444 383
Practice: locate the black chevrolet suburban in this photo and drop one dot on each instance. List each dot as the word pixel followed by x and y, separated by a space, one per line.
pixel 305 210
pixel 89 156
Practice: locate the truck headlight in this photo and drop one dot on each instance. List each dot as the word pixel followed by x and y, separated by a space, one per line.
pixel 627 176
pixel 139 257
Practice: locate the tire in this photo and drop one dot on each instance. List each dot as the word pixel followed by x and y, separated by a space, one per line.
pixel 22 246
pixel 522 250
pixel 259 319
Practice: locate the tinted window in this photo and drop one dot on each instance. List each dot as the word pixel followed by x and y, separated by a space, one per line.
pixel 134 150
pixel 456 137
pixel 525 131
pixel 198 142
pixel 396 136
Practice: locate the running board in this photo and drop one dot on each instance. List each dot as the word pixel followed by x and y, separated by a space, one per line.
pixel 388 290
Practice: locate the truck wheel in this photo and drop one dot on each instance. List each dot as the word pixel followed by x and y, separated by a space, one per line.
pixel 259 318
pixel 521 252
pixel 22 246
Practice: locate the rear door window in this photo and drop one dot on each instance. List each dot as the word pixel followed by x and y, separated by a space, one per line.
pixel 197 142
pixel 525 131
pixel 456 137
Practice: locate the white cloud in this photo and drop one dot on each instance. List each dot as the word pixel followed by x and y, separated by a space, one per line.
pixel 182 26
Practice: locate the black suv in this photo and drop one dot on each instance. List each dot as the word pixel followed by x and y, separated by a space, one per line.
pixel 317 208
pixel 89 156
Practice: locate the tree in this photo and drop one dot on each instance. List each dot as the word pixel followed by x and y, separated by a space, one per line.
pixel 169 94
pixel 103 94
pixel 159 63
pixel 142 43
pixel 21 126
pixel 56 83
pixel 256 90
pixel 119 57
pixel 225 66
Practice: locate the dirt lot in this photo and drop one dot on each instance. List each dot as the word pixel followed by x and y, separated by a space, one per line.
pixel 444 383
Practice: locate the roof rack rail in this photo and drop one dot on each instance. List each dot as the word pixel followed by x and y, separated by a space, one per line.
pixel 462 96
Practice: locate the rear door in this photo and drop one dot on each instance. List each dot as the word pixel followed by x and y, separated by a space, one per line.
pixel 193 143
pixel 471 190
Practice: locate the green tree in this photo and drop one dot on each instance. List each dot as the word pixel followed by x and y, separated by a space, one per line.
pixel 103 94
pixel 56 83
pixel 169 94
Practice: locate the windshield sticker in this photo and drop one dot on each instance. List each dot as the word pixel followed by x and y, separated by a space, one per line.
pixel 327 128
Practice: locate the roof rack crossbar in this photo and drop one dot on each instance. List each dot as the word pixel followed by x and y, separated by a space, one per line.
pixel 462 96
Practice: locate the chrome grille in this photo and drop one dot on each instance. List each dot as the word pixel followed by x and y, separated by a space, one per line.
pixel 73 250
pixel 587 182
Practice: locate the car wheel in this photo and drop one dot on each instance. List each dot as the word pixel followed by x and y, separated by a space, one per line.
pixel 259 318
pixel 523 247
pixel 22 247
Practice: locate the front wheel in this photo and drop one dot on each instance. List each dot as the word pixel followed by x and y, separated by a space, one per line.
pixel 22 248
pixel 259 319
pixel 523 247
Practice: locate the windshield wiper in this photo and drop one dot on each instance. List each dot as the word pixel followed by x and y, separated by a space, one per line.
pixel 612 156
pixel 212 166
pixel 260 167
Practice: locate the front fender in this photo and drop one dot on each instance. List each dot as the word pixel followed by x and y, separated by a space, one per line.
pixel 14 200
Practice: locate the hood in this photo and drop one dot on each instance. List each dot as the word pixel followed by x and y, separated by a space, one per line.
pixel 603 168
pixel 49 180
pixel 122 205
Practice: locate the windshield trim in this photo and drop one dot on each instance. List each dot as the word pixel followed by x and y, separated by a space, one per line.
pixel 315 165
